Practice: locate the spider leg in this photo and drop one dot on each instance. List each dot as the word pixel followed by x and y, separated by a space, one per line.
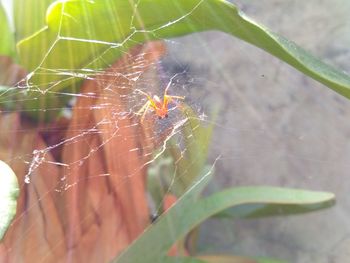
pixel 169 84
pixel 170 97
pixel 144 109
pixel 144 93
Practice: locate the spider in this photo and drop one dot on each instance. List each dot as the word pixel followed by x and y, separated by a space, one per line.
pixel 159 107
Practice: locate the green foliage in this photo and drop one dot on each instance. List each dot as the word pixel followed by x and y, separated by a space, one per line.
pixel 176 170
pixel 7 43
pixel 237 259
pixel 219 259
pixel 93 34
pixel 29 16
pixel 266 210
pixel 182 260
pixel 189 212
pixel 8 197
pixel 191 164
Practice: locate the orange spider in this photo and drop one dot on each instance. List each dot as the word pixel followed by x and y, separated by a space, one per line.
pixel 159 107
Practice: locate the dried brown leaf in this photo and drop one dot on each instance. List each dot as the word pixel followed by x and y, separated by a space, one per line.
pixel 100 206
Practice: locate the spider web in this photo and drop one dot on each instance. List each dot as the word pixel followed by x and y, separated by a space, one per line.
pixel 99 138
pixel 247 129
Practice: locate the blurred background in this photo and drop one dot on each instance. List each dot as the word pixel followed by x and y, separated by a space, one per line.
pixel 275 127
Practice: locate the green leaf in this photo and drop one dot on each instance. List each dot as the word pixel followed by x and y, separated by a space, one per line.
pixel 92 34
pixel 226 259
pixel 237 259
pixel 29 16
pixel 269 260
pixel 176 170
pixel 220 259
pixel 8 197
pixel 182 260
pixel 7 44
pixel 159 175
pixel 267 210
pixel 187 213
pixel 190 163
pixel 6 97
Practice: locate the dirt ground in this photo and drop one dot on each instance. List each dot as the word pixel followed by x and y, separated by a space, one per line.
pixel 276 127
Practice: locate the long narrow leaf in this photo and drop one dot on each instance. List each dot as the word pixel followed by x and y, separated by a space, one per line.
pixel 267 210
pixel 237 259
pixel 183 260
pixel 186 214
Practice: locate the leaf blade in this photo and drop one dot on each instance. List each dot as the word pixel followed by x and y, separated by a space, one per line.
pixel 186 214
pixel 7 43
